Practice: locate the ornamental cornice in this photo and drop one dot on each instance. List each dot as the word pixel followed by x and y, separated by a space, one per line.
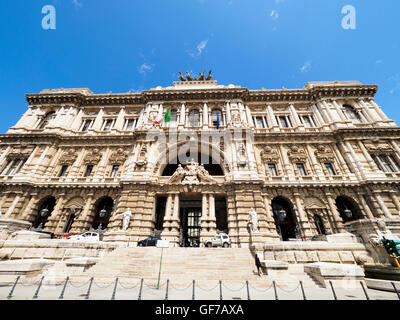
pixel 227 93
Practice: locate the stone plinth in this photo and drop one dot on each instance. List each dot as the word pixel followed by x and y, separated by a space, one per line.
pixel 9 226
pixel 23 267
pixel 341 275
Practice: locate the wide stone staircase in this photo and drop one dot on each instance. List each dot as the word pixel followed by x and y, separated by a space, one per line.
pixel 183 265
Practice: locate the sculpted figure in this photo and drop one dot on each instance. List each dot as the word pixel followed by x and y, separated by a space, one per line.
pixel 188 77
pixel 253 220
pixel 126 219
pixel 181 77
pixel 209 77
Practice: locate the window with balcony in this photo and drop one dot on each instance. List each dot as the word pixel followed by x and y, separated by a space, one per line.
pixel 46 119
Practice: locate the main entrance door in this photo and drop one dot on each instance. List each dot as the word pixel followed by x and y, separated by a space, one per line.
pixel 190 227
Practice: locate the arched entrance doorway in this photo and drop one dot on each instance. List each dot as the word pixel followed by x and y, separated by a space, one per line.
pixel 103 213
pixel 284 218
pixel 348 209
pixel 44 211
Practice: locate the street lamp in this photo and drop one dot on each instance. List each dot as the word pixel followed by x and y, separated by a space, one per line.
pixel 44 212
pixel 348 213
pixel 282 214
pixel 103 212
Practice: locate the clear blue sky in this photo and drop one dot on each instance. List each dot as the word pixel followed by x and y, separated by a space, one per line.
pixel 127 45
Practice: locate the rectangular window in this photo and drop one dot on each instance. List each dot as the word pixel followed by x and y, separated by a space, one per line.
pixel 86 125
pixel 129 124
pixel 395 162
pixel 6 167
pixel 63 171
pixel 89 170
pixel 114 171
pixel 377 163
pixel 329 168
pixel 386 163
pixel 301 169
pixel 284 121
pixel 272 170
pixel 307 121
pixel 13 167
pixel 259 122
pixel 108 124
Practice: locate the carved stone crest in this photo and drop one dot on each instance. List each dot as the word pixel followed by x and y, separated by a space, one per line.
pixel 68 157
pixel 193 173
pixel 118 156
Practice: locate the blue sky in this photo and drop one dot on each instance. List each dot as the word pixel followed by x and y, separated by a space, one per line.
pixel 127 45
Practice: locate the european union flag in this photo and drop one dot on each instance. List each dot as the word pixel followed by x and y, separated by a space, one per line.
pixel 217 120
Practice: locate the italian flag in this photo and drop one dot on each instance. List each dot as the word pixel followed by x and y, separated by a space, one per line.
pixel 167 117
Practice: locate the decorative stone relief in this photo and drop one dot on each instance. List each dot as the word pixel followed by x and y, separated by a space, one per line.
pixel 68 157
pixel 93 156
pixel 118 157
pixel 193 173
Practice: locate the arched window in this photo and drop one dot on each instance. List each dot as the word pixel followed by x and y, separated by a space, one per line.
pixel 216 118
pixel 44 212
pixel 46 119
pixel 351 114
pixel 194 118
pixel 103 213
pixel 348 209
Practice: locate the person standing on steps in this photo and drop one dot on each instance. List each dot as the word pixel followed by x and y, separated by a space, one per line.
pixel 258 265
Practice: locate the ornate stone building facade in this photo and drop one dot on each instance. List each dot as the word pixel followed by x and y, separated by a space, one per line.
pixel 319 160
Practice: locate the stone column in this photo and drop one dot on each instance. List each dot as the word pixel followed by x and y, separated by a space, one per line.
pixel 55 221
pixel 295 117
pixel 77 122
pixel 98 122
pixel 119 123
pixel 371 162
pixel 318 115
pixel 171 220
pixel 337 219
pixel 249 117
pixel 303 219
pixel 212 217
pixel 286 163
pixel 28 210
pixel 349 153
pixel 11 208
pixel 314 162
pixel 395 199
pixel 228 113
pixel 339 111
pixel 364 204
pixel 325 114
pixel 182 117
pixel 381 203
pixel 205 116
pixel 274 123
pixel 83 222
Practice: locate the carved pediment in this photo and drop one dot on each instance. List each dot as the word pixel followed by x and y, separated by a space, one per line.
pixel 118 156
pixel 269 154
pixel 193 173
pixel 324 153
pixel 20 152
pixel 93 156
pixel 68 157
pixel 379 147
pixel 296 154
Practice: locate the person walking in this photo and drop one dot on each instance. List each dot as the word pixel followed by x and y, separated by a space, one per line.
pixel 258 265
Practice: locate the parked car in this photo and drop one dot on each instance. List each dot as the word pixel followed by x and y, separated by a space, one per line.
pixel 148 242
pixel 220 240
pixel 87 236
